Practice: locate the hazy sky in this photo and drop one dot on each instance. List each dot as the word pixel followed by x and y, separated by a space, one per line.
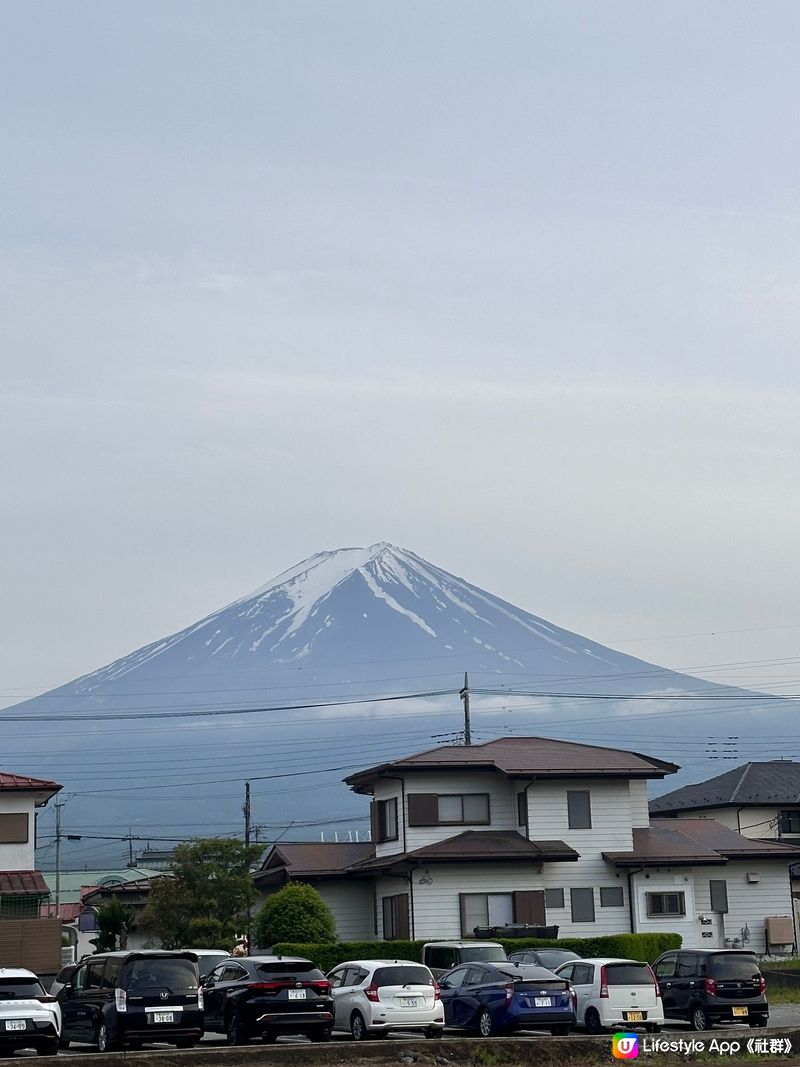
pixel 512 284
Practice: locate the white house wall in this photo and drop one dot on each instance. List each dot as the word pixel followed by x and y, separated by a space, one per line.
pixel 640 811
pixel 18 857
pixel 353 907
pixel 611 815
pixel 751 822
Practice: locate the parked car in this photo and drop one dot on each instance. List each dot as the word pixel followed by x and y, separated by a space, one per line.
pixel 495 998
pixel 265 996
pixel 371 997
pixel 707 986
pixel 29 1017
pixel 61 979
pixel 441 956
pixel 124 999
pixel 549 958
pixel 207 959
pixel 614 993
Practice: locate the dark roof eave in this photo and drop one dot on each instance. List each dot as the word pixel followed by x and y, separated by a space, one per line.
pixel 626 860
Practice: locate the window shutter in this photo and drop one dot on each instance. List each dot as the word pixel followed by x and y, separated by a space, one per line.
pixel 400 916
pixel 529 907
pixel 719 894
pixel 423 809
pixel 374 824
pixel 14 828
pixel 462 907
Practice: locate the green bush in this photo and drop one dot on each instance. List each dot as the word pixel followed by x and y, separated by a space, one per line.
pixel 628 946
pixel 298 912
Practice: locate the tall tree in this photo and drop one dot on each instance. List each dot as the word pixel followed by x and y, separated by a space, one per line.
pixel 203 903
pixel 114 921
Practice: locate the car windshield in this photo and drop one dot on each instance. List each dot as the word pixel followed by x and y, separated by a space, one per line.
pixel 20 988
pixel 472 953
pixel 162 973
pixel 402 976
pixel 628 974
pixel 300 968
pixel 730 966
pixel 551 958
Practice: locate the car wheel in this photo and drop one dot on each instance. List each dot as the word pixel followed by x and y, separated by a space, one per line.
pixel 235 1032
pixel 105 1042
pixel 699 1020
pixel 322 1033
pixel 48 1048
pixel 433 1032
pixel 269 1037
pixel 592 1021
pixel 484 1023
pixel 653 1028
pixel 560 1031
pixel 358 1028
pixel 63 1042
pixel 760 1022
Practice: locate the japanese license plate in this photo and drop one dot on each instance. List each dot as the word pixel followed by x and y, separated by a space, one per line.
pixel 633 1016
pixel 740 1011
pixel 15 1024
pixel 542 1002
pixel 297 994
pixel 163 1016
pixel 408 1002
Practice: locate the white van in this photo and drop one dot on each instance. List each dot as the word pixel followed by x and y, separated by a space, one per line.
pixel 614 994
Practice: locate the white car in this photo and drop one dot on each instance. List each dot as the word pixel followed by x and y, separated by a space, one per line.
pixel 371 997
pixel 614 994
pixel 29 1017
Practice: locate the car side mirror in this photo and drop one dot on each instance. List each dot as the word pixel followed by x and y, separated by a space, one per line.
pixel 209 982
pixel 444 984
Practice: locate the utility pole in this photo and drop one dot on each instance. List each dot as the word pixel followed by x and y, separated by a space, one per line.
pixel 246 812
pixel 58 807
pixel 464 694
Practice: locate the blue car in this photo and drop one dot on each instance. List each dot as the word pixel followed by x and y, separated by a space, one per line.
pixel 495 998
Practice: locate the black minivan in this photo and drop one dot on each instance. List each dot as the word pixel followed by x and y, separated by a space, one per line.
pixel 118 999
pixel 707 986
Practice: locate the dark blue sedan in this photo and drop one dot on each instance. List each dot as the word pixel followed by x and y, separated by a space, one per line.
pixel 495 998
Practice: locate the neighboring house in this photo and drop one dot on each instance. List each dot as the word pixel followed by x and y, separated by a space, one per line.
pixel 760 800
pixel 134 895
pixel 25 939
pixel 535 831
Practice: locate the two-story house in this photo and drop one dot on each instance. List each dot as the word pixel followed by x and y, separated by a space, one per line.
pixel 22 887
pixel 529 830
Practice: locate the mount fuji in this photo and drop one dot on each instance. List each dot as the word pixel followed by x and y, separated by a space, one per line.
pixel 349 658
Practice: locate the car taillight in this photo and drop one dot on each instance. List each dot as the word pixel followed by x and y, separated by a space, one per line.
pixel 323 988
pixel 270 987
pixel 573 996
pixel 437 993
pixel 710 986
pixel 509 993
pixel 372 993
pixel 200 1001
pixel 655 980
pixel 762 984
pixel 46 1000
pixel 120 999
pixel 603 982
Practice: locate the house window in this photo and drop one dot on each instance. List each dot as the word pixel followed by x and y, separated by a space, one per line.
pixel 718 889
pixel 448 809
pixel 487 910
pixel 14 828
pixel 789 822
pixel 522 808
pixel 582 901
pixel 554 898
pixel 383 816
pixel 579 809
pixel 395 918
pixel 611 896
pixel 659 904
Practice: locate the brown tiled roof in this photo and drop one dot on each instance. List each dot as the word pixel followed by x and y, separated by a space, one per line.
pixel 523 757
pixel 22 782
pixel 68 912
pixel 136 887
pixel 687 842
pixel 771 783
pixel 22 884
pixel 309 859
pixel 477 846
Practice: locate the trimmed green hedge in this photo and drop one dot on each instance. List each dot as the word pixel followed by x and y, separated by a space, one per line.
pixel 628 946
